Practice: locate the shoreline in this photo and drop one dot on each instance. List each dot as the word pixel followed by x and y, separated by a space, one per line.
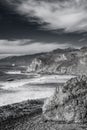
pixel 20 90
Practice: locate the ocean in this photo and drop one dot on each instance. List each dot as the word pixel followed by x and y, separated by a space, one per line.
pixel 20 87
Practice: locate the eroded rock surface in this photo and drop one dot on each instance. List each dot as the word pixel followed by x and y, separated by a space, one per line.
pixel 69 103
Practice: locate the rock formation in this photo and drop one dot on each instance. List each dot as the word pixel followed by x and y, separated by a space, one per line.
pixel 69 103
pixel 59 61
pixel 67 61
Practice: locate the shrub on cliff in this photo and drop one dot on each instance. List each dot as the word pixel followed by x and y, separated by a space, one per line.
pixel 69 103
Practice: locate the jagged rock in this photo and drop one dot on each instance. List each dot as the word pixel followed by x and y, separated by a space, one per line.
pixel 35 65
pixel 69 103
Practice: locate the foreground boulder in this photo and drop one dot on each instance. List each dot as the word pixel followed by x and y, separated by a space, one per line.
pixel 69 103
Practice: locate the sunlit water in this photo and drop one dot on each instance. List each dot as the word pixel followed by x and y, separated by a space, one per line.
pixel 35 88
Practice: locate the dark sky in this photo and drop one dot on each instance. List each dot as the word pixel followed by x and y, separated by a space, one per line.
pixel 32 26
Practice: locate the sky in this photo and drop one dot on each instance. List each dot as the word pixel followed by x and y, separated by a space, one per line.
pixel 34 26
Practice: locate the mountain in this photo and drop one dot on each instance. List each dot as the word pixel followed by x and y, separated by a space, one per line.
pixel 60 61
pixel 19 60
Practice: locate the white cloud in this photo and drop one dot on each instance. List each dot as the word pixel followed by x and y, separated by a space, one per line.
pixel 70 15
pixel 8 43
pixel 15 48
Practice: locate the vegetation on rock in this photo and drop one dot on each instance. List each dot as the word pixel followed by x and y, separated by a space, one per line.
pixel 69 103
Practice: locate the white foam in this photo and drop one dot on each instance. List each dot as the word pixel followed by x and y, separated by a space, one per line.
pixel 24 89
pixel 37 80
pixel 13 72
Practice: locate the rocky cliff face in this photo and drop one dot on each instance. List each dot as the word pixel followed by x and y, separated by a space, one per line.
pixel 68 61
pixel 60 61
pixel 69 103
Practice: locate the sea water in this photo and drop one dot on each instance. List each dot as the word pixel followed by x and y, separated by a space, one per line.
pixel 33 88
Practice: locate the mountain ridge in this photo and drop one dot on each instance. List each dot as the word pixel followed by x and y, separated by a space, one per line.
pixel 60 61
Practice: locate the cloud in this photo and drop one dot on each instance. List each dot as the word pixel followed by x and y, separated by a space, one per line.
pixel 19 47
pixel 9 43
pixel 70 15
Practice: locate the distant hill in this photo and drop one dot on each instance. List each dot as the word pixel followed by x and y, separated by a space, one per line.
pixel 19 60
pixel 60 61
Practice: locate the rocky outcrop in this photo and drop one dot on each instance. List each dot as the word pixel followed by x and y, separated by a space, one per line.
pixel 69 103
pixel 35 65
pixel 67 61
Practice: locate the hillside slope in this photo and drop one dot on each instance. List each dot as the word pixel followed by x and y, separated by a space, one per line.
pixel 68 61
pixel 60 61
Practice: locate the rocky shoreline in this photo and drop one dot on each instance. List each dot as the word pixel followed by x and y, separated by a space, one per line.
pixel 29 115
